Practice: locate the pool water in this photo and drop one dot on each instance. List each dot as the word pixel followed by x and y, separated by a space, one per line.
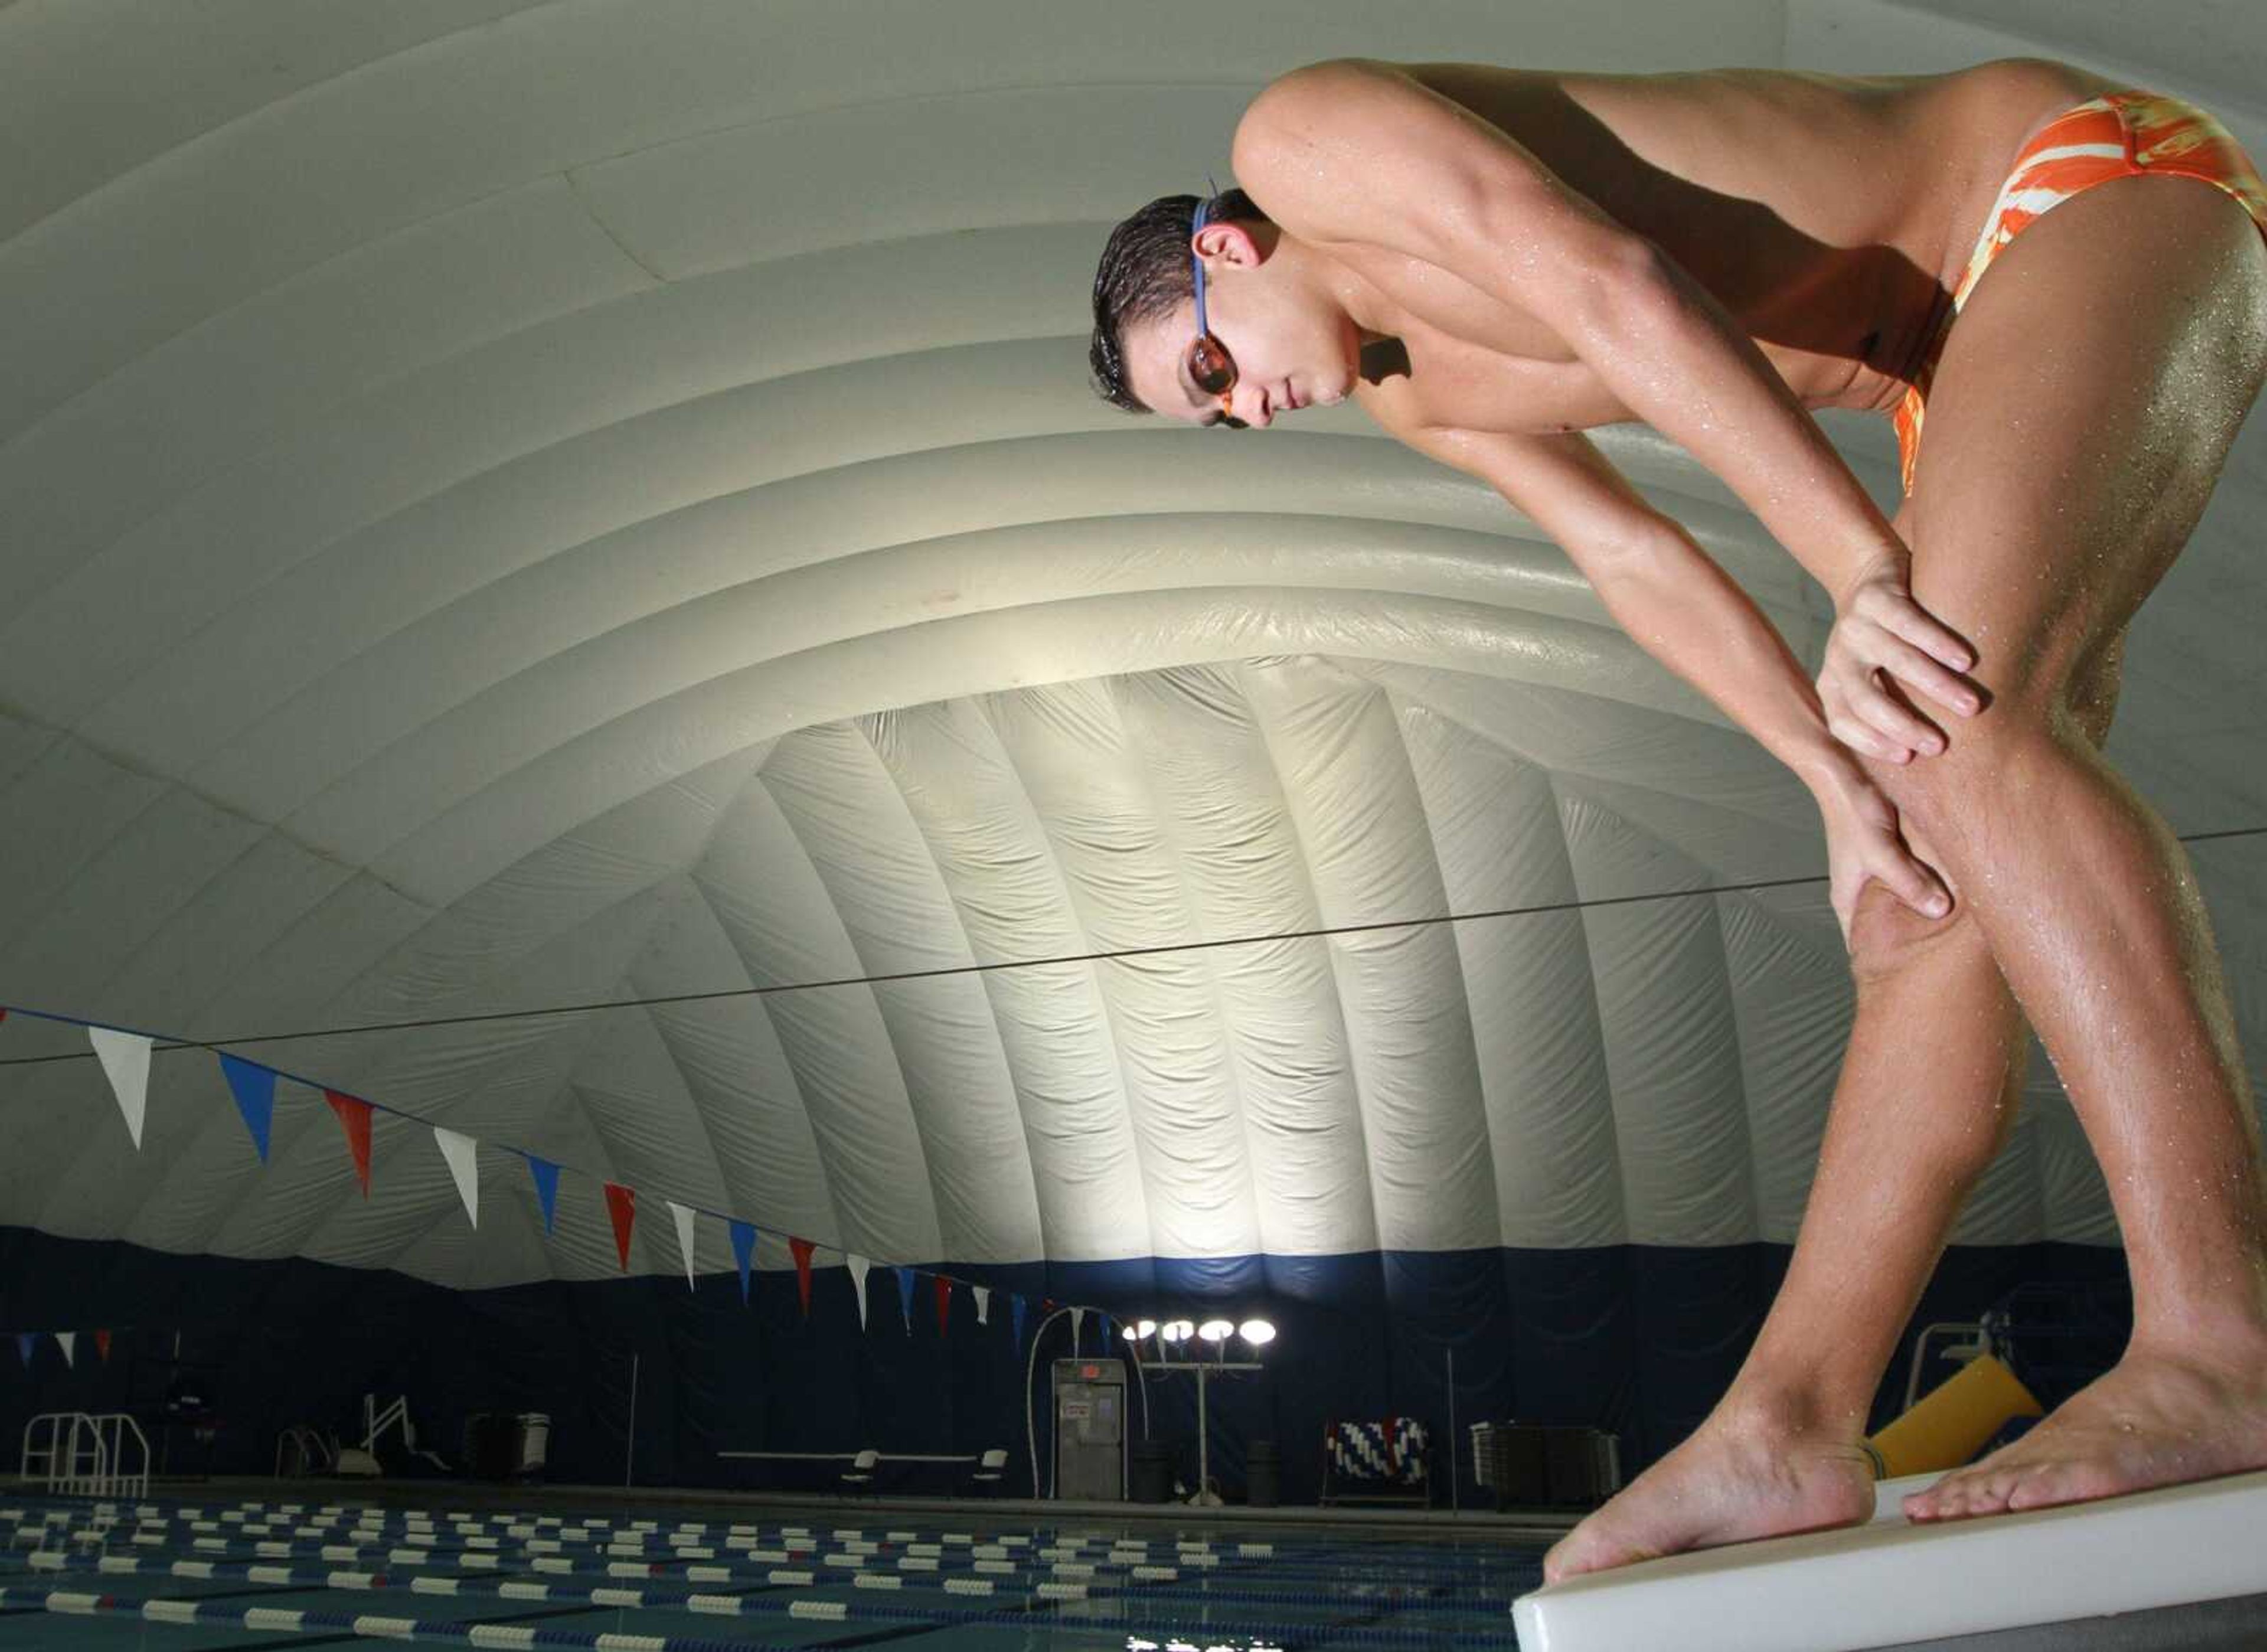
pixel 161 1575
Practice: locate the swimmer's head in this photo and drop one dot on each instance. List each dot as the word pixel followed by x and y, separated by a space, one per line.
pixel 1276 328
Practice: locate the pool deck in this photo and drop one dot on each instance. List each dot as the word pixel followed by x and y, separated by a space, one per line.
pixel 1535 1526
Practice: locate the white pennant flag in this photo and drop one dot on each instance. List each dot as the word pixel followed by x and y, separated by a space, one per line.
pixel 983 1303
pixel 125 1057
pixel 858 1266
pixel 67 1340
pixel 1077 1318
pixel 458 1150
pixel 684 1214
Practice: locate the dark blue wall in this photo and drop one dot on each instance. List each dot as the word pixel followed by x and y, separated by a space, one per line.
pixel 1641 1341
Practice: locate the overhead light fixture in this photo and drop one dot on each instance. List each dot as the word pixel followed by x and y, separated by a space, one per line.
pixel 1215 1330
pixel 1258 1333
pixel 1132 1333
pixel 1176 1331
pixel 1144 1328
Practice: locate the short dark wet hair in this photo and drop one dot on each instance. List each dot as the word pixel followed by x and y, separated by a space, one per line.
pixel 1145 272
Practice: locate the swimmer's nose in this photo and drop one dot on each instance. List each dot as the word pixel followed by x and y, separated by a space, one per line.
pixel 1249 403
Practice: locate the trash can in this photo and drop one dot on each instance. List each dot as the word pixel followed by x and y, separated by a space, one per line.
pixel 1153 1472
pixel 1263 1474
pixel 534 1442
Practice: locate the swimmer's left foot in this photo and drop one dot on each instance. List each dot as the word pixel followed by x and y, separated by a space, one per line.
pixel 2153 1420
pixel 1744 1474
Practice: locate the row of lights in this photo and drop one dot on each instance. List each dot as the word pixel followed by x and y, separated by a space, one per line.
pixel 1258 1333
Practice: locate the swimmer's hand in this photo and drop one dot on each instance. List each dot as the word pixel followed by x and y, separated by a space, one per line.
pixel 1886 654
pixel 1864 844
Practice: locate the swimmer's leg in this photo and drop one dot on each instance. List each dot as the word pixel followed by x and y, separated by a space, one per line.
pixel 2085 403
pixel 1781 1452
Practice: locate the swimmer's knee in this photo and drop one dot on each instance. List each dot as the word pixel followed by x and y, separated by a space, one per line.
pixel 1992 760
pixel 1887 937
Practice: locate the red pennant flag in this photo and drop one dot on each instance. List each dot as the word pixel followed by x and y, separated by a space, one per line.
pixel 354 1119
pixel 803 1248
pixel 622 1207
pixel 102 1345
pixel 944 1304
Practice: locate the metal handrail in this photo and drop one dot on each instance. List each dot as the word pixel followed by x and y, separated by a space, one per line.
pixel 122 1429
pixel 47 1421
pixel 83 1456
pixel 317 1455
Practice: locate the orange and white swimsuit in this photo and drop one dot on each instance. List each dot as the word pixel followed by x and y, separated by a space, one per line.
pixel 2121 135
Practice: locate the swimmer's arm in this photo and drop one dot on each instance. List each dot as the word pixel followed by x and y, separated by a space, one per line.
pixel 1661 587
pixel 1682 609
pixel 1361 154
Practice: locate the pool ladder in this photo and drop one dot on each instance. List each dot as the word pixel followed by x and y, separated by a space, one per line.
pixel 80 1455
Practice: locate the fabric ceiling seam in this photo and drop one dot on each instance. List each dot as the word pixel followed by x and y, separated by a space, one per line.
pixel 1394 707
pixel 1444 542
pixel 1474 1109
pixel 598 222
pixel 696 1109
pixel 310 88
pixel 395 508
pixel 819 1163
pixel 1613 652
pixel 948 1243
pixel 774 397
pixel 1360 1121
pixel 567 168
pixel 1515 528
pixel 1390 679
pixel 380 384
pixel 493 824
pixel 1145 1174
pixel 1023 1092
pixel 536 324
pixel 735 1197
pixel 1231 1064
pixel 842 1126
pixel 384 383
pixel 1740 1062
pixel 1608 1115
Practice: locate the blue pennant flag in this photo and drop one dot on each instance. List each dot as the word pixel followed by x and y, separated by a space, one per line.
pixel 546 1188
pixel 25 1342
pixel 906 1297
pixel 743 1247
pixel 255 1097
pixel 1106 1329
pixel 1016 1304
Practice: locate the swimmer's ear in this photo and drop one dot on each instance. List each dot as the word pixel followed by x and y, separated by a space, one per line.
pixel 1230 244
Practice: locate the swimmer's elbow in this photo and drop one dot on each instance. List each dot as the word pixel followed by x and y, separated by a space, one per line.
pixel 1613 285
pixel 1634 554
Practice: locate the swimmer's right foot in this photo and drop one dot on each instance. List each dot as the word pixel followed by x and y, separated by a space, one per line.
pixel 1742 1476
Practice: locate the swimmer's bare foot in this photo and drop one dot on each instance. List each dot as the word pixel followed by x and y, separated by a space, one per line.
pixel 1741 1476
pixel 2155 1419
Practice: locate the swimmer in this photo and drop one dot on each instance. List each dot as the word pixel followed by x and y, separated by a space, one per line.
pixel 2057 287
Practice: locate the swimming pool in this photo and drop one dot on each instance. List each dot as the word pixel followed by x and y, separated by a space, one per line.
pixel 197 1575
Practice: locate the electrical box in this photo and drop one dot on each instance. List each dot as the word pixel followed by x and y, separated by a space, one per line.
pixel 1090 1430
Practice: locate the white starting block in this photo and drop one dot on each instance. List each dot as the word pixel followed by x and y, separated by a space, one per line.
pixel 1895 1584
